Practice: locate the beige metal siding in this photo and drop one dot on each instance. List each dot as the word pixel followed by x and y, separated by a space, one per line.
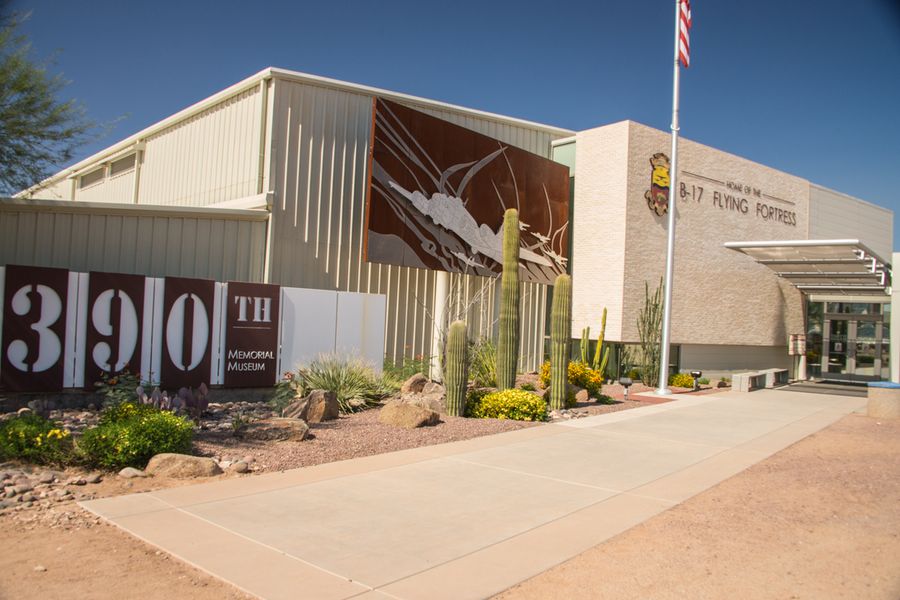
pixel 118 189
pixel 209 158
pixel 128 239
pixel 833 215
pixel 318 168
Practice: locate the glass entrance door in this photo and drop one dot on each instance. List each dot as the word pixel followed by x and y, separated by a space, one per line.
pixel 853 342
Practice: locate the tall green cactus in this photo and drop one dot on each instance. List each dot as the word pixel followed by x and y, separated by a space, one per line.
pixel 508 337
pixel 560 338
pixel 600 363
pixel 585 344
pixel 456 369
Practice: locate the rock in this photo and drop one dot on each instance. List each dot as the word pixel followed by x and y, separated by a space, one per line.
pixel 131 472
pixel 182 466
pixel 722 384
pixel 434 401
pixel 298 409
pixel 433 387
pixel 323 406
pixel 582 396
pixel 414 384
pixel 249 459
pixel 410 416
pixel 224 464
pixel 9 492
pixel 40 568
pixel 5 504
pixel 64 492
pixel 240 467
pixel 22 488
pixel 46 477
pixel 94 478
pixel 77 481
pixel 276 430
pixel 27 497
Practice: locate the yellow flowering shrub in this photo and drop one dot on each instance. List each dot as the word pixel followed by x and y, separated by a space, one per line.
pixel 682 380
pixel 580 374
pixel 513 404
pixel 35 439
pixel 130 434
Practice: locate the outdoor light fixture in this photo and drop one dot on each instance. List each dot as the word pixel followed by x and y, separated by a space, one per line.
pixel 696 375
pixel 626 383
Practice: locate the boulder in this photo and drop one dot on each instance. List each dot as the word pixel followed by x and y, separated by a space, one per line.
pixel 433 387
pixel 433 401
pixel 131 472
pixel 182 466
pixel 409 416
pixel 414 384
pixel 582 396
pixel 323 406
pixel 298 409
pixel 276 430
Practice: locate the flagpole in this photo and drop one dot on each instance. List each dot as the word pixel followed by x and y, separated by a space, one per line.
pixel 663 389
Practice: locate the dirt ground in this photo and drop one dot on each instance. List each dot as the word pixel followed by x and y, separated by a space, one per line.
pixel 819 520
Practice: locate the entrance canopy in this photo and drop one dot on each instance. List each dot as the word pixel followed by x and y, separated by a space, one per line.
pixel 845 267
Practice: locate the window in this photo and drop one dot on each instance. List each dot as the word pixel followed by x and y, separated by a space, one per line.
pixel 89 179
pixel 117 167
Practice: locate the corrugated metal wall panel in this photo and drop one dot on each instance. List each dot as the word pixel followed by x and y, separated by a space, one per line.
pixel 209 158
pixel 833 215
pixel 118 189
pixel 319 154
pixel 86 239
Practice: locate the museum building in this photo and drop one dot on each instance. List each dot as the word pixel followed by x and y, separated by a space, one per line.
pixel 273 181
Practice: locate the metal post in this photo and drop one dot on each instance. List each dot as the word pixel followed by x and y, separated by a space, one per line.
pixel 663 388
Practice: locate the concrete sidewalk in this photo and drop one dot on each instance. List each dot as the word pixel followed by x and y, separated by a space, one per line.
pixel 467 519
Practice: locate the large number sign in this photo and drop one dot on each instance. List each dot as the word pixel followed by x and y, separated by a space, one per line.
pixel 251 334
pixel 34 328
pixel 114 324
pixel 437 194
pixel 63 330
pixel 187 331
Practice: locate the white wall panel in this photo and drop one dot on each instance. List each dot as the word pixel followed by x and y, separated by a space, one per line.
pixel 307 325
pixel 119 189
pixel 359 327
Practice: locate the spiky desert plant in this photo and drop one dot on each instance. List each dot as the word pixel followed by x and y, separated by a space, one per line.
pixel 649 325
pixel 585 344
pixel 456 369
pixel 508 337
pixel 560 337
pixel 599 363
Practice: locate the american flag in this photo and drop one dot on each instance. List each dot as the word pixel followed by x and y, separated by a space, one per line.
pixel 684 38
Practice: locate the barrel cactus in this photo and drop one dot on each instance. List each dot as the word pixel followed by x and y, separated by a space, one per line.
pixel 560 337
pixel 456 369
pixel 508 337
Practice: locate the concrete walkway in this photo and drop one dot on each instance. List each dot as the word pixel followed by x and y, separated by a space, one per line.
pixel 467 519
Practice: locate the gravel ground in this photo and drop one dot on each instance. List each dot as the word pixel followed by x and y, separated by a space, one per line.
pixel 350 436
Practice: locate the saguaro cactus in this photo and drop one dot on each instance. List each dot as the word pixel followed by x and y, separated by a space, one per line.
pixel 508 338
pixel 456 369
pixel 600 363
pixel 560 338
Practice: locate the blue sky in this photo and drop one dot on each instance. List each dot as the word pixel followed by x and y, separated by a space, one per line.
pixel 811 87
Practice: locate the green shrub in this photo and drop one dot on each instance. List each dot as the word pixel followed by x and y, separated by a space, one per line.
pixel 483 363
pixel 528 387
pixel 513 404
pixel 33 438
pixel 130 434
pixel 682 380
pixel 634 375
pixel 406 368
pixel 116 388
pixel 703 381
